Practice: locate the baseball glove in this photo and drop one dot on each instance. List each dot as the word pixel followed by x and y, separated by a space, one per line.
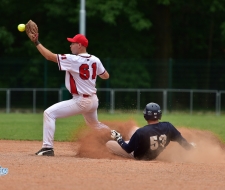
pixel 32 31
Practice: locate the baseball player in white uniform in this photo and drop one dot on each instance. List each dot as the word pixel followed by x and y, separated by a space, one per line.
pixel 81 73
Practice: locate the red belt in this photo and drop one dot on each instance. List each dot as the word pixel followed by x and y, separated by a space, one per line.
pixel 85 95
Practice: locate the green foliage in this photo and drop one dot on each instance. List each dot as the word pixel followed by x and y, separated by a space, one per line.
pixel 60 19
pixel 111 10
pixel 136 17
pixel 6 39
pixel 164 2
pixel 223 31
pixel 63 9
pixel 217 5
pixel 126 72
pixel 128 29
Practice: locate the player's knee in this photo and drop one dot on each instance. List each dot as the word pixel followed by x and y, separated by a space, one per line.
pixel 111 144
pixel 108 145
pixel 46 115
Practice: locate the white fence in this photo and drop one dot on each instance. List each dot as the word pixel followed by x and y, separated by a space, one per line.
pixel 112 96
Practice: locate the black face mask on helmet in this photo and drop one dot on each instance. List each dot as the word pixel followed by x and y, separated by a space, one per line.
pixel 152 111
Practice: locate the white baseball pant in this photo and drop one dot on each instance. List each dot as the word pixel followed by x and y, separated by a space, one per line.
pixel 115 148
pixel 87 106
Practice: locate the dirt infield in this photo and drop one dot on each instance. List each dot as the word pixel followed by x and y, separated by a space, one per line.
pixel 86 164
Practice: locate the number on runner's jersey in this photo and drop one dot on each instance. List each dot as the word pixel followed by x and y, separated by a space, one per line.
pixel 85 73
pixel 156 141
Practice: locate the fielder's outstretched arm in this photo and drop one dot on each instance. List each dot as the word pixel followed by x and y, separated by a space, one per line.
pixel 32 33
pixel 47 53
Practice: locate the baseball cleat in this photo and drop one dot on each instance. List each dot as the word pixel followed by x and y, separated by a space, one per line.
pixel 45 152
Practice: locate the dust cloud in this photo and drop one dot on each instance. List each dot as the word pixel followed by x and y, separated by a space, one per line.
pixel 209 149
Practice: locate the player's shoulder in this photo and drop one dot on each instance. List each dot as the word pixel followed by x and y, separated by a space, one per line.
pixel 165 123
pixel 143 129
pixel 84 56
pixel 167 126
pixel 67 56
pixel 95 58
pixel 64 55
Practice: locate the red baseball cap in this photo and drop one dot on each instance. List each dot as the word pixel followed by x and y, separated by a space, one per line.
pixel 79 38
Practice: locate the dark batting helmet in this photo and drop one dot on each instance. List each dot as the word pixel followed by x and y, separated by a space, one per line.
pixel 152 111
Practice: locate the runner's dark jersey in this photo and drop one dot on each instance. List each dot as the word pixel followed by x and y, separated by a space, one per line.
pixel 149 141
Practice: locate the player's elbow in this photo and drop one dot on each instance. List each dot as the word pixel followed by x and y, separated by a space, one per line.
pixel 51 57
pixel 105 75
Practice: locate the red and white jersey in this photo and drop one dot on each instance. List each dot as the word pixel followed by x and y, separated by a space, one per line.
pixel 81 72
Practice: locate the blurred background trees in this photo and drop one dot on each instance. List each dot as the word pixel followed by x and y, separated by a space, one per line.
pixel 143 44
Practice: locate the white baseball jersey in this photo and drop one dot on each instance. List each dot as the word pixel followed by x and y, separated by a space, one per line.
pixel 81 72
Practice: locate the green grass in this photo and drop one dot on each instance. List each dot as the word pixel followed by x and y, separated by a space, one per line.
pixel 17 126
pixel 209 122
